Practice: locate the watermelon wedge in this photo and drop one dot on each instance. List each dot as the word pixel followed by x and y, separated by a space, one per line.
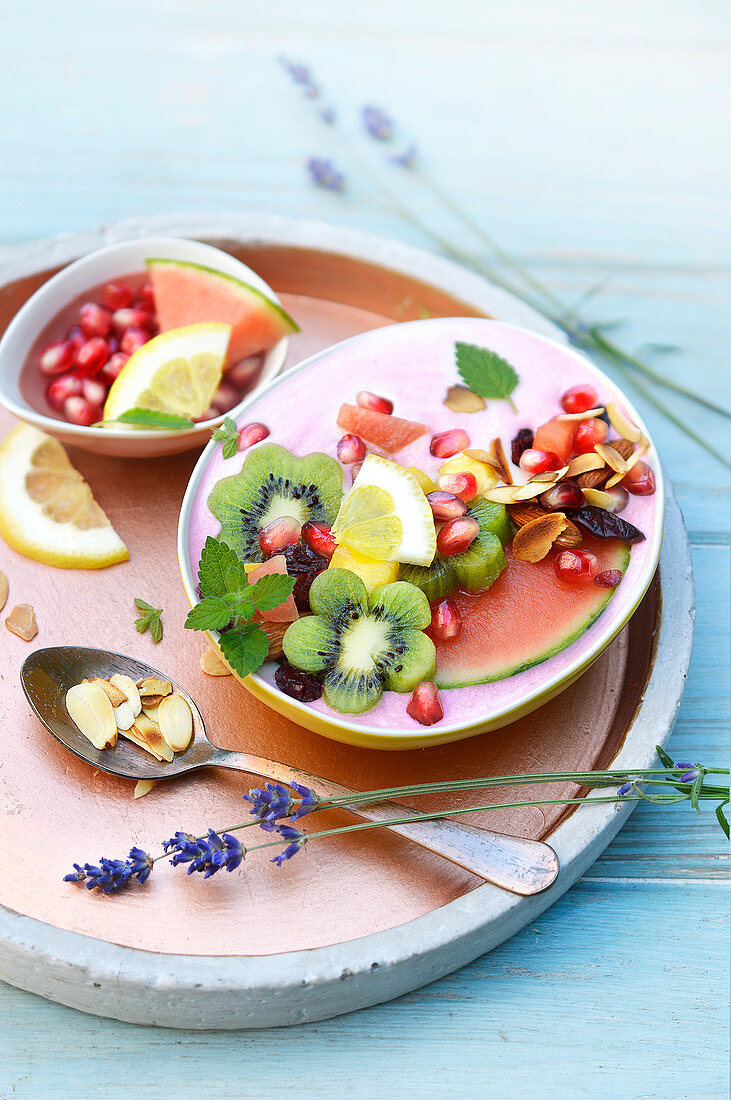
pixel 555 435
pixel 390 433
pixel 186 294
pixel 527 616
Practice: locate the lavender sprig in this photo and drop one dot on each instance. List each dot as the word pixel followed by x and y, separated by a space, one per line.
pixel 113 874
pixel 206 854
pixel 325 174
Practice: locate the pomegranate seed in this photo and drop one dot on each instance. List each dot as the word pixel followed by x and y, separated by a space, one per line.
pixel 242 375
pixel 56 357
pixel 449 443
pixel 576 566
pixel 446 505
pixel 425 706
pixel 112 344
pixel 68 385
pixel 579 399
pixel 132 340
pixel 587 434
pixel 76 337
pixel 610 578
pixel 621 498
pixel 93 391
pixel 565 495
pixel 112 369
pixel 446 621
pixel 375 403
pixel 282 532
pixel 80 412
pixel 355 470
pixel 225 398
pixel 462 485
pixel 94 320
pixel 457 535
pixel 117 295
pixel 92 355
pixel 146 297
pixel 523 440
pixel 132 318
pixel 251 434
pixel 539 462
pixel 209 414
pixel 640 481
pixel 319 538
pixel 351 448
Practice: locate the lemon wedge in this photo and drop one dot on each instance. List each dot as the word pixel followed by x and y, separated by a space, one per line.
pixel 47 511
pixel 386 515
pixel 176 372
pixel 462 464
pixel 372 572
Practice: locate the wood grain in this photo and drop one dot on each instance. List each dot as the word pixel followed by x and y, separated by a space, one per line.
pixel 589 139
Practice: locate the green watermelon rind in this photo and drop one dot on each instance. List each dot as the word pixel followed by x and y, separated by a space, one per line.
pixel 546 654
pixel 289 324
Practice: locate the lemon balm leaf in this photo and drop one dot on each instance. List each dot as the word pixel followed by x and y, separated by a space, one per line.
pixel 245 648
pixel 219 570
pixel 486 373
pixel 150 418
pixel 228 435
pixel 272 590
pixel 150 619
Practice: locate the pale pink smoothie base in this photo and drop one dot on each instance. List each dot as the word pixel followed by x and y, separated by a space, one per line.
pixel 413 364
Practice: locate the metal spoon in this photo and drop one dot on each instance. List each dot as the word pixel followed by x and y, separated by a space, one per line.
pixel 516 864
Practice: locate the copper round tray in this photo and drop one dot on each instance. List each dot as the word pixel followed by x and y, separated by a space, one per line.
pixel 373 910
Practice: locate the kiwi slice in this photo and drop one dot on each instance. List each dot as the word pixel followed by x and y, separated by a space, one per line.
pixel 274 483
pixel 474 570
pixel 362 644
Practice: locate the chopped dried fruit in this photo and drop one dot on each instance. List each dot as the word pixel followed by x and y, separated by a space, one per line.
pixel 535 539
pixel 522 442
pixel 22 621
pixel 299 685
pixel 607 525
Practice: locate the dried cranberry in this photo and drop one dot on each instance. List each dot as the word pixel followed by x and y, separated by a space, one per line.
pixel 304 564
pixel 299 685
pixel 607 525
pixel 522 442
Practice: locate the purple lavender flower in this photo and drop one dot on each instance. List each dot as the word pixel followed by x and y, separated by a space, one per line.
pixel 377 123
pixel 270 802
pixel 299 73
pixel 325 174
pixel 406 158
pixel 691 774
pixel 327 114
pixel 206 854
pixel 297 841
pixel 112 874
pixel 309 801
pixel 624 789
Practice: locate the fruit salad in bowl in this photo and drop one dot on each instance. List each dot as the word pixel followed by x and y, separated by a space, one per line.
pixel 422 533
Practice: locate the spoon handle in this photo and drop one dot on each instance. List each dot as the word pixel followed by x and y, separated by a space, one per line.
pixel 517 864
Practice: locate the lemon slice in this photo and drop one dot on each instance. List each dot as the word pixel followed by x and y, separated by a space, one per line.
pixel 386 515
pixel 47 511
pixel 176 372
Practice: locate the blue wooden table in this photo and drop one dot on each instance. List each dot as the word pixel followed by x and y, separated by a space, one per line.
pixel 592 141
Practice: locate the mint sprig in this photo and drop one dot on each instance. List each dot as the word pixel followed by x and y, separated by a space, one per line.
pixel 149 418
pixel 150 619
pixel 486 373
pixel 228 435
pixel 228 597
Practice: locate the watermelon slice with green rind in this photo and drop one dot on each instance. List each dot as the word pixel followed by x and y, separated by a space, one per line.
pixel 187 293
pixel 527 616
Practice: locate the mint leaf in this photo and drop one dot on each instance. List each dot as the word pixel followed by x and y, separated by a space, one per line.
pixel 245 648
pixel 219 569
pixel 271 590
pixel 150 418
pixel 486 373
pixel 150 619
pixel 212 613
pixel 228 434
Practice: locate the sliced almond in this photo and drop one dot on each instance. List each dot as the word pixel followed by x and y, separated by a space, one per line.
pixel 599 499
pixel 533 541
pixel 523 513
pixel 460 399
pixel 622 424
pixel 582 464
pixel 114 695
pixel 144 786
pixel 150 710
pixel 612 458
pixel 150 685
pixel 127 685
pixel 22 621
pixel 570 536
pixel 212 664
pixel 175 720
pixel 530 491
pixel 146 734
pixel 90 709
pixel 503 494
pixel 588 415
pixel 124 716
pixel 550 476
pixel 642 448
pixel 500 461
pixel 3 590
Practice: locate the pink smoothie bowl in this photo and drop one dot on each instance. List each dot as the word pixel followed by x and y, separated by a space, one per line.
pixel 413 364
